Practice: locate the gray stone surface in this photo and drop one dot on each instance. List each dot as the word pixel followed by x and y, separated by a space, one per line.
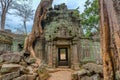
pixel 12 57
pixel 26 77
pixel 31 77
pixel 31 60
pixel 10 76
pixel 86 78
pixel 90 71
pixel 93 68
pixel 23 77
pixel 7 68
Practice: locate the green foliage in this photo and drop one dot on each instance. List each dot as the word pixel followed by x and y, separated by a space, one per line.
pixel 90 17
pixel 23 9
pixel 76 14
pixel 52 29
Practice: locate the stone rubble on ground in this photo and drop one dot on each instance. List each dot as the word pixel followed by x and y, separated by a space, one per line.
pixel 16 66
pixel 89 71
pixel 13 66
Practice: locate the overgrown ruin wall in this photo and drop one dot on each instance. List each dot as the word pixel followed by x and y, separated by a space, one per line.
pixel 5 41
pixel 11 42
pixel 90 51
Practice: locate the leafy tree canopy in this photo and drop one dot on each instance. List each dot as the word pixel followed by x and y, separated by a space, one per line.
pixel 90 17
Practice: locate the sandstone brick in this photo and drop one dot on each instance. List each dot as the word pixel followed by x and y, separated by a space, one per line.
pixel 23 77
pixel 10 76
pixel 7 68
pixel 15 58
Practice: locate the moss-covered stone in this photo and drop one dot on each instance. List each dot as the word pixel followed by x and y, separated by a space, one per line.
pixel 5 38
pixel 60 17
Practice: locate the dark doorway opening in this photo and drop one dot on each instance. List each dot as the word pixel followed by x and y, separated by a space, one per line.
pixel 62 56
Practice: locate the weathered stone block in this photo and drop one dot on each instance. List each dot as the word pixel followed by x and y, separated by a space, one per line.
pixel 78 74
pixel 14 58
pixel 30 69
pixel 98 69
pixel 10 76
pixel 31 60
pixel 7 68
pixel 23 77
pixel 24 70
pixel 86 78
pixel 43 73
pixel 96 77
pixel 31 77
pixel 26 77
pixel 1 59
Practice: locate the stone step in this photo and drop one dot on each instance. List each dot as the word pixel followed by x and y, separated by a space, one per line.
pixel 63 67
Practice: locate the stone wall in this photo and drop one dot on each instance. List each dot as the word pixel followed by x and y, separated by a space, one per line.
pixel 5 47
pixel 11 41
pixel 5 41
pixel 18 42
pixel 90 51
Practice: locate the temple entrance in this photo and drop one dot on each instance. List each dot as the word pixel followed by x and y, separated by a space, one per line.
pixel 63 56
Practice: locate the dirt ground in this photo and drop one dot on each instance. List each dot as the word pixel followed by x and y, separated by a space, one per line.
pixel 61 74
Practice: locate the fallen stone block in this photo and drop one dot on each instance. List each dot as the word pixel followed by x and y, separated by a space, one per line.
pixel 96 77
pixel 31 77
pixel 7 68
pixel 13 58
pixel 77 74
pixel 10 76
pixel 26 77
pixel 23 77
pixel 85 78
pixel 92 67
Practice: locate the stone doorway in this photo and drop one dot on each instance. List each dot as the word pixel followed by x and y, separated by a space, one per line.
pixel 63 56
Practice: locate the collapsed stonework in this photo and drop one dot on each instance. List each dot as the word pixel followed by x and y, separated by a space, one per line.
pixel 19 66
pixel 89 71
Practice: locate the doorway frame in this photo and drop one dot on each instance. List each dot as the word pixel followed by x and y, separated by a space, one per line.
pixel 68 55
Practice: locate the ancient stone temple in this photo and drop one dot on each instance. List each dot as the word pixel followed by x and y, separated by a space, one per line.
pixel 60 43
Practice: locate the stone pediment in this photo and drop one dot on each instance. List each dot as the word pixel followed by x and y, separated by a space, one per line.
pixel 61 29
pixel 63 32
pixel 62 23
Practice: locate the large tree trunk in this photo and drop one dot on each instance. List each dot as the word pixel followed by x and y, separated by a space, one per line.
pixel 110 39
pixel 3 18
pixel 24 24
pixel 37 27
pixel 5 4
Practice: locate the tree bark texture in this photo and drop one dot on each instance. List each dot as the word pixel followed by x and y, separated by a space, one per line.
pixel 5 4
pixel 3 18
pixel 110 39
pixel 37 27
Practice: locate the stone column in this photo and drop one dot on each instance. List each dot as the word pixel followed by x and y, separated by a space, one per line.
pixel 54 57
pixel 75 62
pixel 50 56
